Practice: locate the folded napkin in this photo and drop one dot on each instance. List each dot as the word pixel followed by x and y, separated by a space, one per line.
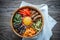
pixel 49 22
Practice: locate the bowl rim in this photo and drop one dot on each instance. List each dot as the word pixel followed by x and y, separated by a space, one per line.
pixel 15 13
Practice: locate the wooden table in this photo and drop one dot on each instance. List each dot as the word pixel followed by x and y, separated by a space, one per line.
pixel 8 6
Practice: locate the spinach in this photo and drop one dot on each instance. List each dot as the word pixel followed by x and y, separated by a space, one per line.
pixel 17 19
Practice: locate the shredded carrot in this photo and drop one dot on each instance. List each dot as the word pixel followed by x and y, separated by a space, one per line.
pixel 29 32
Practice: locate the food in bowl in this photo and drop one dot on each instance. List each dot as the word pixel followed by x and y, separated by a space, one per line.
pixel 27 21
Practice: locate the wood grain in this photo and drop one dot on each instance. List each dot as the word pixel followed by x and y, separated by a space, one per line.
pixel 8 6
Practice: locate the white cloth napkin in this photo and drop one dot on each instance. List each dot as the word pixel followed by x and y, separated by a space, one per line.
pixel 49 22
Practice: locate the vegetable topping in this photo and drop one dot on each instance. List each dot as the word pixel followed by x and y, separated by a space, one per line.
pixel 25 12
pixel 29 32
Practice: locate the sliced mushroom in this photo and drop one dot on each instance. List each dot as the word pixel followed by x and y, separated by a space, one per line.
pixel 32 12
pixel 34 15
pixel 38 16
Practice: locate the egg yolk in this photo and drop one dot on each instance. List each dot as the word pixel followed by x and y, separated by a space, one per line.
pixel 27 21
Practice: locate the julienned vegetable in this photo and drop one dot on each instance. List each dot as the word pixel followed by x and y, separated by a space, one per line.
pixel 29 32
pixel 25 12
pixel 17 19
pixel 37 25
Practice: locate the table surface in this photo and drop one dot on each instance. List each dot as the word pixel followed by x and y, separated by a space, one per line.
pixel 8 6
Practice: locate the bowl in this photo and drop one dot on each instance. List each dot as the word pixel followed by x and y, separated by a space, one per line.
pixel 32 8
